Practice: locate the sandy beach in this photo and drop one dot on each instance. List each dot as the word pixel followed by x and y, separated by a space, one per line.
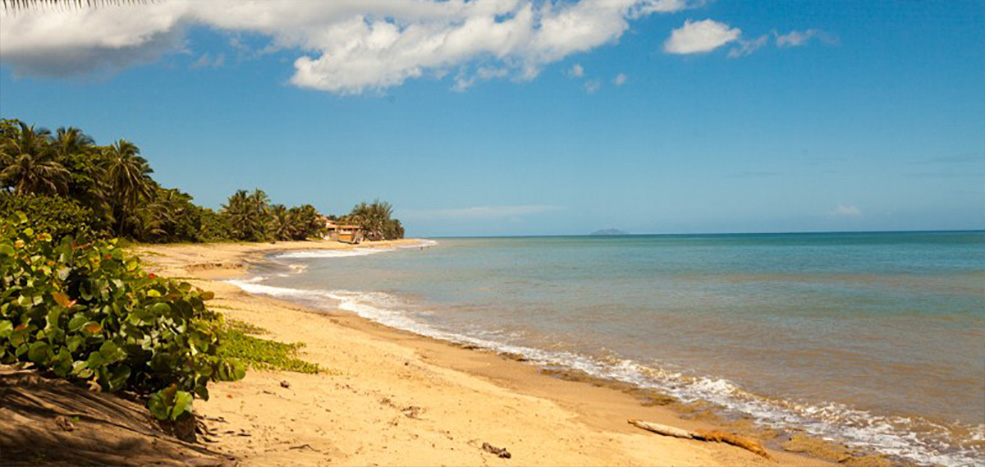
pixel 387 397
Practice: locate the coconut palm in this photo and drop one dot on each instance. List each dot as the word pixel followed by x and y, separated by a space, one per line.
pixel 71 140
pixel 77 152
pixel 376 220
pixel 280 225
pixel 248 215
pixel 13 5
pixel 29 163
pixel 128 176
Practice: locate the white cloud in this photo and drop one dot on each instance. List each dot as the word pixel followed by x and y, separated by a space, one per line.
pixel 847 211
pixel 346 46
pixel 748 47
pixel 799 38
pixel 477 212
pixel 576 71
pixel 593 86
pixel 620 79
pixel 700 36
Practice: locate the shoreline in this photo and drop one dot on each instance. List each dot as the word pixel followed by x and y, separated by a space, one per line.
pixel 585 408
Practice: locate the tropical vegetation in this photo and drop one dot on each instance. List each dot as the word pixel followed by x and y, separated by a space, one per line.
pixel 87 311
pixel 110 191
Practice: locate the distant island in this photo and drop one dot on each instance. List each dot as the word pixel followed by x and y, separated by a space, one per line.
pixel 609 232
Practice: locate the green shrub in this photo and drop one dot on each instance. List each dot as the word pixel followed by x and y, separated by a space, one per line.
pixel 54 215
pixel 88 312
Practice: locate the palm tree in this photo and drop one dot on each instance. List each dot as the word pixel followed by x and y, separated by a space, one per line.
pixel 13 5
pixel 128 176
pixel 375 219
pixel 71 140
pixel 29 163
pixel 280 225
pixel 248 215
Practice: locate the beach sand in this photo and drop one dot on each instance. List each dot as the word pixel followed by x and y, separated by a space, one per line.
pixel 388 397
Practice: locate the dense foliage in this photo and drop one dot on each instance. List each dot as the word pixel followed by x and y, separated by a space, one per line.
pixel 376 220
pixel 53 214
pixel 88 312
pixel 113 189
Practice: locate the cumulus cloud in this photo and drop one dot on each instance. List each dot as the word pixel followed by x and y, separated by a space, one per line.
pixel 346 46
pixel 700 37
pixel 478 212
pixel 620 79
pixel 846 211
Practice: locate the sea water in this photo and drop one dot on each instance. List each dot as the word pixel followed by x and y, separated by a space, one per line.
pixel 876 340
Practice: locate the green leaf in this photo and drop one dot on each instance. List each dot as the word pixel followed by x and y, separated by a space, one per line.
pixel 110 352
pixel 76 322
pixel 6 328
pixel 53 315
pixel 118 378
pixel 38 352
pixel 158 407
pixel 62 362
pixel 6 249
pixel 161 309
pixel 182 404
pixel 73 342
pixel 96 360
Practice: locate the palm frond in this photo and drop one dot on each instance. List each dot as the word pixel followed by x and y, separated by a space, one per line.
pixel 14 5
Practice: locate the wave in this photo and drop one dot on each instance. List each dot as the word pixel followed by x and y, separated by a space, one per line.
pixel 915 439
pixel 310 254
pixel 331 253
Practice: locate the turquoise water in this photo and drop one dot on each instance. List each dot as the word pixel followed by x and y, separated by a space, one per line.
pixel 873 339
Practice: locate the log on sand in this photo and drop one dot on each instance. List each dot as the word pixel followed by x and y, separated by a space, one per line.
pixel 702 435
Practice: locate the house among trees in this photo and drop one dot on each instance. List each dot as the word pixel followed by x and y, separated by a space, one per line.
pixel 343 233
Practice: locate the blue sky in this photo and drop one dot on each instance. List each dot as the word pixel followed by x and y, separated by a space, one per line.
pixel 871 116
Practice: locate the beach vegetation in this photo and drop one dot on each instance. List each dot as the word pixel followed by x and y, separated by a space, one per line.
pixel 110 192
pixel 248 215
pixel 53 214
pixel 85 310
pixel 376 220
pixel 262 354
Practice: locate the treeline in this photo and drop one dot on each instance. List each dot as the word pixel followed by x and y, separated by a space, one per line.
pixel 67 184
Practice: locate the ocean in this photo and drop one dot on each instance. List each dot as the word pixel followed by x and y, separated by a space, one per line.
pixel 875 340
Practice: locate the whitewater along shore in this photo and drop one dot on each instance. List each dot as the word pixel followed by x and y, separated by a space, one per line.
pixel 389 397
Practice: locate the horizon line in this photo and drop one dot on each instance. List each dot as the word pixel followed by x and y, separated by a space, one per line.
pixel 980 230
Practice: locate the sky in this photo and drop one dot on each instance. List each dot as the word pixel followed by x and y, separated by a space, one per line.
pixel 532 117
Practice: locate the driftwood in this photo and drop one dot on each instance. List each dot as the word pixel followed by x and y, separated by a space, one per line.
pixel 702 435
pixel 501 452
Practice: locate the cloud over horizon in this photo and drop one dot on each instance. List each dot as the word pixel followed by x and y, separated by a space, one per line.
pixel 346 46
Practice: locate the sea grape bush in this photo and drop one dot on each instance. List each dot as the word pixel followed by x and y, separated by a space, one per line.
pixel 55 215
pixel 88 312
